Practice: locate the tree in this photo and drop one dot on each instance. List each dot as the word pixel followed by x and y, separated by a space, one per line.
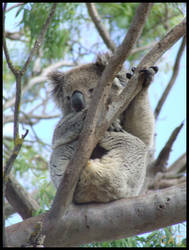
pixel 46 37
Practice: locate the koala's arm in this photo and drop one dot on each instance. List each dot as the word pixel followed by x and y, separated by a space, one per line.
pixel 119 173
pixel 65 141
pixel 138 118
pixel 68 128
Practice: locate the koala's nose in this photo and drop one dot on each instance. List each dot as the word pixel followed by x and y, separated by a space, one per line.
pixel 77 101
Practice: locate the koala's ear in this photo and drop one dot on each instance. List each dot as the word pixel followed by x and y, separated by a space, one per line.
pixel 102 60
pixel 57 81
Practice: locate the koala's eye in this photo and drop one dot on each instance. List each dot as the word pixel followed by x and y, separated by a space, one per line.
pixel 91 90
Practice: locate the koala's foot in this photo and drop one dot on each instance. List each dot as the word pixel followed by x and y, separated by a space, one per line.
pixel 146 75
pixel 116 126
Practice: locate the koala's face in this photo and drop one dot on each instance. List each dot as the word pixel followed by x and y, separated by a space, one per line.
pixel 73 90
pixel 79 85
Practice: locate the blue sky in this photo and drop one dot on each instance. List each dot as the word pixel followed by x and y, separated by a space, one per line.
pixel 172 114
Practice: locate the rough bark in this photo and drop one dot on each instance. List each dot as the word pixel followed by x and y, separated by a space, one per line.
pixel 119 219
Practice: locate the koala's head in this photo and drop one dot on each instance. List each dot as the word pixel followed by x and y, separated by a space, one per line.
pixel 73 90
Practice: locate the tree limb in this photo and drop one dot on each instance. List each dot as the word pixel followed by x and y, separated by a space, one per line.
pixel 172 80
pixel 164 44
pixel 100 26
pixel 16 36
pixel 40 39
pixel 142 48
pixel 161 161
pixel 13 156
pixel 19 199
pixel 15 6
pixel 133 88
pixel 38 79
pixel 19 72
pixel 115 220
pixel 89 137
pixel 178 166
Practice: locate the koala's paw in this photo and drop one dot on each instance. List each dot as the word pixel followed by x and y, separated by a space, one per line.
pixel 145 75
pixel 116 126
pixel 129 75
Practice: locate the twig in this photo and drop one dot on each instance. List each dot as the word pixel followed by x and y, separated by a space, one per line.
pixel 172 80
pixel 14 154
pixel 17 108
pixel 142 48
pixel 15 6
pixel 16 36
pixel 162 181
pixel 89 138
pixel 100 26
pixel 12 68
pixel 38 79
pixel 163 156
pixel 19 72
pixel 178 166
pixel 40 39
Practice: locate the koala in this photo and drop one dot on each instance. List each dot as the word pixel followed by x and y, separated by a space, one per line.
pixel 117 166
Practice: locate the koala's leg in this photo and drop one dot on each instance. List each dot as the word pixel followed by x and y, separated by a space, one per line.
pixel 138 118
pixel 118 174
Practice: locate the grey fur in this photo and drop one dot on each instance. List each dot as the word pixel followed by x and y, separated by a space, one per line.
pixel 120 171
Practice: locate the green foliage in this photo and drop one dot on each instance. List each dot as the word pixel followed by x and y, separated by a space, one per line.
pixel 120 15
pixel 28 158
pixel 167 237
pixel 45 195
pixel 57 36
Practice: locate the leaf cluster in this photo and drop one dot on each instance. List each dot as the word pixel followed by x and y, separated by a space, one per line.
pixel 57 36
pixel 166 237
pixel 119 16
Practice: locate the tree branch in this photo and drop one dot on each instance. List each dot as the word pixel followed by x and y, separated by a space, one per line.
pixel 133 88
pixel 142 48
pixel 16 36
pixel 115 220
pixel 100 26
pixel 19 199
pixel 19 72
pixel 164 44
pixel 172 80
pixel 178 166
pixel 13 156
pixel 38 79
pixel 89 136
pixel 15 6
pixel 40 39
pixel 163 156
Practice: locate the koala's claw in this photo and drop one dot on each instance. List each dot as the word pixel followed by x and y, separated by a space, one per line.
pixel 147 71
pixel 155 68
pixel 116 126
pixel 146 75
pixel 129 75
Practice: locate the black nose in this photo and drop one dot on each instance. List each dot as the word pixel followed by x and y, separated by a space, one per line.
pixel 77 101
